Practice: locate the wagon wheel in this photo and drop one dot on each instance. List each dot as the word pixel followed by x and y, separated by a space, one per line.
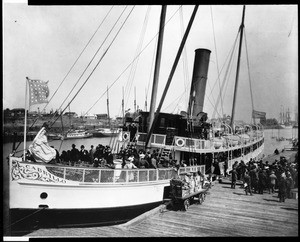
pixel 201 199
pixel 186 204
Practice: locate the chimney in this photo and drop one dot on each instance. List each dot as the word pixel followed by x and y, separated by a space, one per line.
pixel 196 101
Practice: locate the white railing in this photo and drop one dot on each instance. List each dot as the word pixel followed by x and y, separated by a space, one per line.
pixel 191 143
pixel 158 139
pixel 94 175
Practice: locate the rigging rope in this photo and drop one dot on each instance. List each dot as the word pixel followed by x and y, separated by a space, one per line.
pixel 135 63
pixel 36 119
pixel 90 63
pixel 230 55
pixel 131 63
pixel 186 77
pixel 79 56
pixel 212 19
pixel 248 65
pixel 99 60
pixel 151 72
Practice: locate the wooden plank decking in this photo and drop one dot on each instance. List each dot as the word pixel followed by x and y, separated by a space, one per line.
pixel 225 212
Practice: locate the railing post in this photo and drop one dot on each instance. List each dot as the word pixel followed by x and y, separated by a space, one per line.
pixel 65 172
pixel 99 175
pixel 83 175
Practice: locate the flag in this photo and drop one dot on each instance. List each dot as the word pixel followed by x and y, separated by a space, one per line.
pixel 258 114
pixel 38 91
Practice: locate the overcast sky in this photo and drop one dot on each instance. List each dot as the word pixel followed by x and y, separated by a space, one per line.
pixel 43 42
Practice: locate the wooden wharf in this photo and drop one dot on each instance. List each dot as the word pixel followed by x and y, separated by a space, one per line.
pixel 225 212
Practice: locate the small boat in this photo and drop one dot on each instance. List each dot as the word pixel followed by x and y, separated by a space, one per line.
pixel 52 136
pixel 77 134
pixel 105 132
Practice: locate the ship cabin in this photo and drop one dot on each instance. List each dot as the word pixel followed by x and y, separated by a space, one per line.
pixel 192 141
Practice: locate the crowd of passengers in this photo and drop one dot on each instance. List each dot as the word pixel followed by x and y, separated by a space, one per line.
pixel 102 156
pixel 262 177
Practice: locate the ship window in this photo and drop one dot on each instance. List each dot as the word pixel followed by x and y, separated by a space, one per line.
pixel 44 195
pixel 162 122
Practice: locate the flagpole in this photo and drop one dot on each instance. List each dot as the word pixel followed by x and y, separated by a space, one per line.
pixel 25 119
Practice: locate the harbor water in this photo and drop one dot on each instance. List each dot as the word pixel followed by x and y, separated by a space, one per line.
pixel 270 142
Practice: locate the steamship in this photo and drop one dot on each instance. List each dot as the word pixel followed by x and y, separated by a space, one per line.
pixel 52 195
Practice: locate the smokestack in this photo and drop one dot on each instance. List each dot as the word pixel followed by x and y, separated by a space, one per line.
pixel 196 101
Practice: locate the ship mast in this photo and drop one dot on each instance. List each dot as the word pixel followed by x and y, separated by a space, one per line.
pixel 171 76
pixel 237 70
pixel 157 65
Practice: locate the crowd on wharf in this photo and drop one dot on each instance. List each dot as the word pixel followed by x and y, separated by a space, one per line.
pixel 258 177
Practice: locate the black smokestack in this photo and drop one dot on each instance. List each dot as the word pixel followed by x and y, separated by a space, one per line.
pixel 198 86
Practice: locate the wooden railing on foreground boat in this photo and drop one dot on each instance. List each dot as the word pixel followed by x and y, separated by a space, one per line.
pixel 93 175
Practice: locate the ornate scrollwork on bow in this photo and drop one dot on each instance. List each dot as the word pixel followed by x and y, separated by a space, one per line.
pixel 31 173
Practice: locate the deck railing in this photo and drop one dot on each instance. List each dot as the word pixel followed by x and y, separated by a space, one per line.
pixel 94 175
pixel 191 143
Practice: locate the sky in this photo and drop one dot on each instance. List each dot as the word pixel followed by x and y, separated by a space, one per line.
pixel 43 42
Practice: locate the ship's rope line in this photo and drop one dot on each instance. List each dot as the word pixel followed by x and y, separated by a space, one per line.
pixel 248 65
pixel 131 63
pixel 151 73
pixel 98 61
pixel 25 217
pixel 173 102
pixel 135 63
pixel 79 56
pixel 185 62
pixel 225 79
pixel 212 96
pixel 224 66
pixel 215 44
pixel 92 70
pixel 91 62
pixel 36 119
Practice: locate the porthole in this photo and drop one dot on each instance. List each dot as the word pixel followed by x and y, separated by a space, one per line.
pixel 44 195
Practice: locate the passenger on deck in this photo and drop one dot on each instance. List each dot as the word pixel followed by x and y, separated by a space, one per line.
pixel 29 157
pixel 74 155
pixel 110 159
pixel 83 155
pixel 64 157
pixel 143 163
pixel 57 157
pixel 91 154
pixel 153 163
pixel 129 164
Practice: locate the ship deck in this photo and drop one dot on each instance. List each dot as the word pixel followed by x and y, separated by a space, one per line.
pixel 225 212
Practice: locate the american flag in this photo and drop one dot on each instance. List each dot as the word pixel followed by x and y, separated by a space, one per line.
pixel 38 91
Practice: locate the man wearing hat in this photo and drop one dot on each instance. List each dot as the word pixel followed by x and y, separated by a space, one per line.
pixel 74 155
pixel 272 182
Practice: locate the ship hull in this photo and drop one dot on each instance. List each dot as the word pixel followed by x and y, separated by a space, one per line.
pixel 78 136
pixel 100 134
pixel 59 218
